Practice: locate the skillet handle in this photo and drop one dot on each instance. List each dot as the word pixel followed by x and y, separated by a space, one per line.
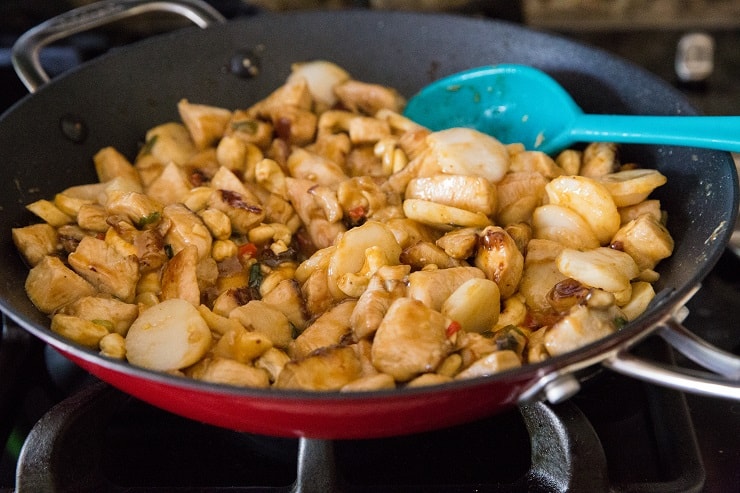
pixel 25 52
pixel 722 379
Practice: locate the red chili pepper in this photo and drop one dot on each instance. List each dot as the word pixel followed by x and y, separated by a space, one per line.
pixel 357 213
pixel 247 250
pixel 453 328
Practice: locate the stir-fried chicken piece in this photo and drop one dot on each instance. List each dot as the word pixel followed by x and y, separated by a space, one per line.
pixel 424 253
pixel 409 232
pixel 433 287
pixel 411 339
pixel 327 330
pixel 373 304
pixel 599 159
pixel 186 228
pixel 378 381
pixel 36 241
pixel 287 298
pixel 205 123
pixel 460 243
pixel 179 277
pixel 535 161
pixel 646 240
pixel 169 142
pixel 495 362
pixel 368 98
pixel 170 186
pixel 241 345
pixel 272 361
pixel 114 314
pixel 316 292
pixel 85 332
pixel 50 285
pixel 361 197
pixel 303 164
pixel 245 126
pixel 540 273
pixel 229 372
pixel 139 208
pixel 371 308
pixel 102 266
pixel 244 214
pixel 110 164
pixel 326 369
pixel 581 326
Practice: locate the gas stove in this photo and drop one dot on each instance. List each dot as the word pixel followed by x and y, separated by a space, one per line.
pixel 63 430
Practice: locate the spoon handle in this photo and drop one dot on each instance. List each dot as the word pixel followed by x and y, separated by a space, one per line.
pixel 714 132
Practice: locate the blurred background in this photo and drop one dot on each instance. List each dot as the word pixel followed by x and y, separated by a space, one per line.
pixel 649 32
pixel 570 14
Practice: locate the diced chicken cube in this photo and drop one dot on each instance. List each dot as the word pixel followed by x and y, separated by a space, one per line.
pixel 411 339
pixel 646 240
pixel 243 214
pixel 170 186
pixel 326 369
pixel 35 242
pixel 287 298
pixel 579 327
pixel 180 278
pixel 109 164
pixel 102 266
pixel 433 287
pixel 169 142
pixel 229 372
pixel 79 330
pixel 186 228
pixel 495 362
pixel 50 285
pixel 104 310
pixel 368 98
pixel 142 210
pixel 205 123
pixel 327 330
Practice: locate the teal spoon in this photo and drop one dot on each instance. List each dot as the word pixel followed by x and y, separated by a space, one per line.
pixel 518 103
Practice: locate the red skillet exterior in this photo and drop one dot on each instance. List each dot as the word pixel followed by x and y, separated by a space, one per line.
pixel 327 415
pixel 119 96
pixel 312 416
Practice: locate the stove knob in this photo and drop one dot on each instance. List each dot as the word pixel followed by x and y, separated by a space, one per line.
pixel 694 57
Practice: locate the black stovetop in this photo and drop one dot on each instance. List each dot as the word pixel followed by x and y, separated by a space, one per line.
pixel 646 438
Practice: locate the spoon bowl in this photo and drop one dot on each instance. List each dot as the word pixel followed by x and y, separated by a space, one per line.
pixel 519 103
